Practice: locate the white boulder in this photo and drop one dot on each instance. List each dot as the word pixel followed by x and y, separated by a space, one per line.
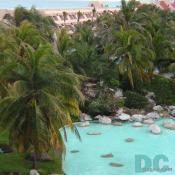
pixel 169 125
pixel 158 108
pixel 150 95
pixel 84 124
pixel 173 112
pixel 124 117
pixel 85 117
pixel 137 124
pixel 155 129
pixel 171 108
pixel 98 117
pixel 153 115
pixel 137 117
pixel 34 172
pixel 151 102
pixel 119 112
pixel 148 121
pixel 105 120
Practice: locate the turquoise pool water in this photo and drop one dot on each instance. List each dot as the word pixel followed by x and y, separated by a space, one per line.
pixel 112 140
pixel 53 3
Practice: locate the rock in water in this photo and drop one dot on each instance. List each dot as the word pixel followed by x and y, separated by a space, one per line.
pixel 137 117
pixel 74 151
pixel 84 124
pixel 110 155
pixel 117 124
pixel 93 133
pixel 153 115
pixel 129 140
pixel 85 117
pixel 113 164
pixel 105 120
pixel 148 121
pixel 124 117
pixel 155 129
pixel 169 125
pixel 34 172
pixel 137 124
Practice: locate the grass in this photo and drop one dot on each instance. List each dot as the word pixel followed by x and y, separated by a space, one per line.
pixel 16 162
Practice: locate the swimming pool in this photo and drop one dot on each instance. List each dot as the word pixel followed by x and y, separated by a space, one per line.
pixel 88 160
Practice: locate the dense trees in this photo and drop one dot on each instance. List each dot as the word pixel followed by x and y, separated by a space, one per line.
pixel 41 68
pixel 39 94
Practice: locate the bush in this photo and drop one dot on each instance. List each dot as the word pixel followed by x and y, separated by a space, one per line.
pixel 164 90
pixel 105 104
pixel 135 100
pixel 120 103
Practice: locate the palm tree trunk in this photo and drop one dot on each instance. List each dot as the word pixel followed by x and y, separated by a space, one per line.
pixel 34 161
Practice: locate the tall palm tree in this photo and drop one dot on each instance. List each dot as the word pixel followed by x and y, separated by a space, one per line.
pixel 127 13
pixel 132 55
pixel 93 14
pixel 27 33
pixel 64 42
pixel 65 14
pixel 79 15
pixel 44 24
pixel 42 95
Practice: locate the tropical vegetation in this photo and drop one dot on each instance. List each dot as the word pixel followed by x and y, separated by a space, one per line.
pixel 43 70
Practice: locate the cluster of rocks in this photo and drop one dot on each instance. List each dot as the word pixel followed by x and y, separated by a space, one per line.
pixel 138 117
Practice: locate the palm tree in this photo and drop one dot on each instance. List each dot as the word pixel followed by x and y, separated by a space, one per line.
pixel 132 55
pixel 127 13
pixel 79 15
pixel 64 42
pixel 27 33
pixel 65 14
pixel 42 95
pixel 93 14
pixel 44 24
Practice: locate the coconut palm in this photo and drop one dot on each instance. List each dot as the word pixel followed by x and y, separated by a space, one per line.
pixel 93 14
pixel 65 14
pixel 79 15
pixel 64 41
pixel 126 16
pixel 132 55
pixel 27 33
pixel 42 96
pixel 44 24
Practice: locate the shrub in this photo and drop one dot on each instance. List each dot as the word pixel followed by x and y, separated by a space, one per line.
pixel 164 90
pixel 135 100
pixel 120 103
pixel 94 108
pixel 105 104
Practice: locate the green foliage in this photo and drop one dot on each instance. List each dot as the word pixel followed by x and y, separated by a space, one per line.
pixel 16 162
pixel 105 104
pixel 135 100
pixel 120 103
pixel 41 93
pixel 44 24
pixel 164 90
pixel 114 83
